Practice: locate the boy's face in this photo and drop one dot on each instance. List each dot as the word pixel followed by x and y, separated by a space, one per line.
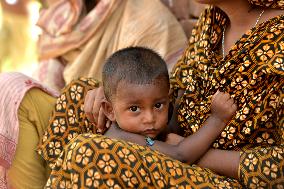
pixel 141 109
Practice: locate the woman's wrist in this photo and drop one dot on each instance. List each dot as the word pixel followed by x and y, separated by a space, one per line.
pixel 224 162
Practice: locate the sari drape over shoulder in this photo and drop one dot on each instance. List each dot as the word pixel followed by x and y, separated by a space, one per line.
pixel 13 87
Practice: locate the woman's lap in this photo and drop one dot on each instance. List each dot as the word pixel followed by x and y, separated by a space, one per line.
pixel 113 161
pixel 88 147
pixel 93 160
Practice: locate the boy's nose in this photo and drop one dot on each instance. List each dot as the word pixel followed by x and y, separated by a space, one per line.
pixel 149 117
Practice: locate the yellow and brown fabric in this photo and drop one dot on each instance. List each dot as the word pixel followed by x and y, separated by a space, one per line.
pixel 68 119
pixel 81 159
pixel 252 73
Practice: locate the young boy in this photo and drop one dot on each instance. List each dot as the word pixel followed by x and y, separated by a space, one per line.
pixel 136 86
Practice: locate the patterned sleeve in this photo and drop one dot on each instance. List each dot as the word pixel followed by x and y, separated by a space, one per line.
pixel 68 119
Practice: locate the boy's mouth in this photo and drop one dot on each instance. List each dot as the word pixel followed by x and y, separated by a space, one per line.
pixel 150 131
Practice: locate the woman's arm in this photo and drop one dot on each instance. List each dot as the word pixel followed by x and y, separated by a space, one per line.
pixel 224 162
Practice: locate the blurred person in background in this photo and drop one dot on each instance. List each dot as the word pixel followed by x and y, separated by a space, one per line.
pixel 78 35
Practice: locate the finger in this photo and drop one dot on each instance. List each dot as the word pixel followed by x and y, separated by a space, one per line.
pixel 97 104
pixel 230 101
pixel 216 94
pixel 101 120
pixel 234 107
pixel 226 96
pixel 108 123
pixel 88 104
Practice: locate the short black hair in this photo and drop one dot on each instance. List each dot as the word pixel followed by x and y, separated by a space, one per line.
pixel 134 65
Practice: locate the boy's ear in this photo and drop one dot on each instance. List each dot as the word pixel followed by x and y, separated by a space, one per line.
pixel 108 110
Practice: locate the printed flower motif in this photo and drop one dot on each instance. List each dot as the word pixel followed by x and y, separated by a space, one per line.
pixel 274 100
pixel 84 155
pixel 125 154
pixel 107 163
pixel 278 153
pixel 224 184
pixel 228 132
pixel 92 82
pixel 281 45
pixel 144 175
pixel 270 169
pixel 76 92
pixel 174 168
pixel 59 126
pixel 159 179
pixel 278 64
pixel 251 161
pixel 265 138
pixel 111 184
pixel 45 137
pixel 265 52
pixel 61 103
pixel 74 178
pixel 105 143
pixel 92 179
pixel 129 178
pixel 257 184
pixel 72 135
pixel 247 130
pixel 54 148
pixel 71 116
pixel 64 184
pixel 239 83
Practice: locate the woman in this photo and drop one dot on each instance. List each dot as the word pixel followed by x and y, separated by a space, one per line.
pixel 77 46
pixel 251 71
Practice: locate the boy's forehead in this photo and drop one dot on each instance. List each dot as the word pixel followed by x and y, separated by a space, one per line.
pixel 130 90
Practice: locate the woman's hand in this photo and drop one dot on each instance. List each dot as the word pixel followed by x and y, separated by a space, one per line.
pixel 93 108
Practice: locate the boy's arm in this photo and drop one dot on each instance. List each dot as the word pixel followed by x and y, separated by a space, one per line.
pixel 188 150
pixel 223 162
pixel 193 147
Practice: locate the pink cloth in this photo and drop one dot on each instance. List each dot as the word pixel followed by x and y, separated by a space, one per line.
pixel 13 87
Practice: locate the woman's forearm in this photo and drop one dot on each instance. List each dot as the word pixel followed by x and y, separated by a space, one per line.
pixel 224 162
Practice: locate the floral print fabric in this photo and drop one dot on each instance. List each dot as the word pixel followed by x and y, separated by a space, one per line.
pixel 252 73
pixel 268 3
pixel 81 159
pixel 68 120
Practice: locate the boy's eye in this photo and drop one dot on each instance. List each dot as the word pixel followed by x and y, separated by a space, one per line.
pixel 159 105
pixel 134 108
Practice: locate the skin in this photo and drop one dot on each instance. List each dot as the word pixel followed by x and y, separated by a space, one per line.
pixel 241 19
pixel 142 110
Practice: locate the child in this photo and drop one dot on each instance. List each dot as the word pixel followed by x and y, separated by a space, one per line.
pixel 136 86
